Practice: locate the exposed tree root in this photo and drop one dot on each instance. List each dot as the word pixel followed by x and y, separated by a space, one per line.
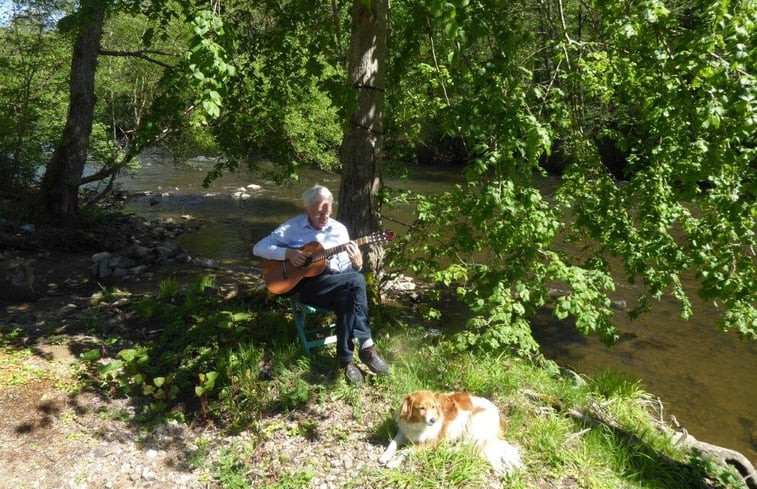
pixel 595 416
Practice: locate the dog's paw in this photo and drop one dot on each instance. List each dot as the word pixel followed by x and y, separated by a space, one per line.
pixel 392 459
pixel 395 462
pixel 388 453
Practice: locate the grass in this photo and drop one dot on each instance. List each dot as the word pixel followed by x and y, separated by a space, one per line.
pixel 15 369
pixel 20 365
pixel 264 385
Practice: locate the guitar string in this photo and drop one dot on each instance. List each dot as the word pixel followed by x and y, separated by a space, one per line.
pixel 323 254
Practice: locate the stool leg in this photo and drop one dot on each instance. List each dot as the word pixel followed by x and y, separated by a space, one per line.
pixel 300 319
pixel 300 314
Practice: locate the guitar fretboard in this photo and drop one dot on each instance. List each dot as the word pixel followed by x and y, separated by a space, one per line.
pixel 371 238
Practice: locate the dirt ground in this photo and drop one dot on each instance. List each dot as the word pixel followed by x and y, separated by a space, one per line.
pixel 53 433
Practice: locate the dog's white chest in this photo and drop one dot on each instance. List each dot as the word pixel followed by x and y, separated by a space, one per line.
pixel 420 432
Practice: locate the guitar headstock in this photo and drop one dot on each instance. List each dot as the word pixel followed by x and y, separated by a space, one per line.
pixel 380 237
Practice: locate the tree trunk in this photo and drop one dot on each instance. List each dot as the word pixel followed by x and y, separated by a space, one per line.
pixel 361 150
pixel 60 185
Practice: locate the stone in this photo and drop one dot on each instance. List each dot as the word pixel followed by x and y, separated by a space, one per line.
pixel 98 257
pixel 103 270
pixel 240 195
pixel 65 311
pixel 619 305
pixel 148 474
pixel 139 251
pixel 168 249
pixel 22 285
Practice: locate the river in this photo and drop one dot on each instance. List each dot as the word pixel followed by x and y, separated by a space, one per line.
pixel 706 378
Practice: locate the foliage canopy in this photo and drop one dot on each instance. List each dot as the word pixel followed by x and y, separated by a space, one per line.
pixel 647 108
pixel 669 86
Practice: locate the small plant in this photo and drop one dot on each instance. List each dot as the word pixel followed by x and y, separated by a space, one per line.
pixel 230 470
pixel 297 396
pixel 114 414
pixel 609 384
pixel 168 288
pixel 147 307
pixel 294 480
pixel 309 429
pixel 199 455
pixel 206 384
pixel 205 283
pixel 9 335
pixel 727 478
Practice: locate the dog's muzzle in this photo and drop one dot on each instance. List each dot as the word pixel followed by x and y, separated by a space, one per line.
pixel 430 421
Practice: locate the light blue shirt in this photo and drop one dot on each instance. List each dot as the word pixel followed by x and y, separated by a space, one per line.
pixel 297 232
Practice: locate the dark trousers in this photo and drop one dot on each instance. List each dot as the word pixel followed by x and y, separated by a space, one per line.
pixel 344 293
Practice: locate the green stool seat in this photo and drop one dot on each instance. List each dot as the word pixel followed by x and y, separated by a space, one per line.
pixel 316 333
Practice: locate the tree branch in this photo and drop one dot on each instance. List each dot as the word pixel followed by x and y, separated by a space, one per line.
pixel 138 54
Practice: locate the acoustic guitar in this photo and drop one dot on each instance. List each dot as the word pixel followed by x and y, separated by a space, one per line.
pixel 281 276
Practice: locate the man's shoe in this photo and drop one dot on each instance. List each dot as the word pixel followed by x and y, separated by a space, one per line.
pixel 352 374
pixel 370 357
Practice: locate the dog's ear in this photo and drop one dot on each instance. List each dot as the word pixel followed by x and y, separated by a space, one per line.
pixel 407 407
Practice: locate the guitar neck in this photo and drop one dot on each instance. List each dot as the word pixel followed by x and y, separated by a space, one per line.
pixel 322 255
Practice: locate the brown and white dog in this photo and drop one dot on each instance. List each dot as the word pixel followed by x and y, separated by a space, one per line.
pixel 428 418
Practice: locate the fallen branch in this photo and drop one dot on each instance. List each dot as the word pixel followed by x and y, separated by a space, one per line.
pixel 594 416
pixel 724 456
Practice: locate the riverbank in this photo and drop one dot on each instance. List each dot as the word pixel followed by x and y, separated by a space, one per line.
pixel 61 430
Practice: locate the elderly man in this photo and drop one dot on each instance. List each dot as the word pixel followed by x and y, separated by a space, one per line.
pixel 340 286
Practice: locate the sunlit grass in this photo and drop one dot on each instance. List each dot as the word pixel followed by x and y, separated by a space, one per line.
pixel 444 467
pixel 611 384
pixel 264 374
pixel 16 369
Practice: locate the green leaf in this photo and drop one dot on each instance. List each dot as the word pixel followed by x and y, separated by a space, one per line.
pixel 90 355
pixel 110 367
pixel 128 355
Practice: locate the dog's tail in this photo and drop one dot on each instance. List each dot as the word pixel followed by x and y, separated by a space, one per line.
pixel 503 456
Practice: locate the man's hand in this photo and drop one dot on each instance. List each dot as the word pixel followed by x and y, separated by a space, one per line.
pixel 353 251
pixel 296 257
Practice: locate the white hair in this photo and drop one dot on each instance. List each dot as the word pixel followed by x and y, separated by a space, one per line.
pixel 318 193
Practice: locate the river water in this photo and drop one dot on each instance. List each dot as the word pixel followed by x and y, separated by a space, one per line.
pixel 706 378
